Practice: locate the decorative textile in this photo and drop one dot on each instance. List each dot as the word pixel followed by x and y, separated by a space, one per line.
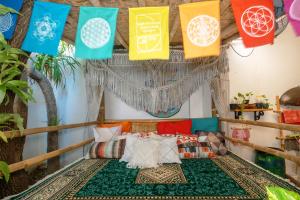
pixel 181 139
pixel 199 149
pixel 168 150
pixel 255 20
pixel 145 154
pixel 177 127
pixel 106 134
pixel 165 174
pixel 155 85
pixel 96 32
pixel 289 11
pixel 223 178
pixel 241 134
pixel 219 88
pixel 46 27
pixel 295 10
pixel 277 193
pixel 291 116
pixel 217 144
pixel 8 22
pixel 110 149
pixel 200 24
pixel 126 126
pixel 205 124
pixel 148 33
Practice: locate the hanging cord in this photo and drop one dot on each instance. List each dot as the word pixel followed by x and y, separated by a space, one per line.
pixel 243 56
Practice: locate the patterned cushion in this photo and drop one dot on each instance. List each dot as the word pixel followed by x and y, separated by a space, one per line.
pixel 181 139
pixel 195 148
pixel 216 141
pixel 110 149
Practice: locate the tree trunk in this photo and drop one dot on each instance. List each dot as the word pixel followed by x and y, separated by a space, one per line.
pixel 52 138
pixel 13 150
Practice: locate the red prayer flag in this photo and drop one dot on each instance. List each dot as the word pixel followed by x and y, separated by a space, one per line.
pixel 255 20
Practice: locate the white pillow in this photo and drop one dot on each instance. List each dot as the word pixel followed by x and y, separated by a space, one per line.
pixel 129 147
pixel 168 150
pixel 106 134
pixel 146 154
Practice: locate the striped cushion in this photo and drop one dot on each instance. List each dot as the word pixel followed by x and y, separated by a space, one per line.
pixel 110 149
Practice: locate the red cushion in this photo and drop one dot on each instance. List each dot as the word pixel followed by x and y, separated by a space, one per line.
pixel 178 127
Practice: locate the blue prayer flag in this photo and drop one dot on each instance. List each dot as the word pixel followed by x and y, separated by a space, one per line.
pixel 96 32
pixel 46 27
pixel 8 21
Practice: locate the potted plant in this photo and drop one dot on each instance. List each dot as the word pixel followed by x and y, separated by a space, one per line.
pixel 234 105
pixel 260 101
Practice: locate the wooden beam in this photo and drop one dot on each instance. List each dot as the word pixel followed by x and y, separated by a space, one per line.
pixel 279 120
pixel 280 126
pixel 39 159
pixel 142 120
pixel 275 152
pixel 31 131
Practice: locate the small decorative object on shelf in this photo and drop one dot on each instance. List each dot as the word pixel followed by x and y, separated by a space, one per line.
pixel 242 104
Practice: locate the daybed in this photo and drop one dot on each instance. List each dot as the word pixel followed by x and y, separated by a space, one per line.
pixel 219 178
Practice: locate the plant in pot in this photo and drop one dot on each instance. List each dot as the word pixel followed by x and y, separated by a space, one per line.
pixel 266 104
pixel 260 101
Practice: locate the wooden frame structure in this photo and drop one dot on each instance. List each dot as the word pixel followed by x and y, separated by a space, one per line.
pixel 144 123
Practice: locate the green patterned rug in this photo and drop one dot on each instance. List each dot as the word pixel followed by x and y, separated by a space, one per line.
pixel 226 177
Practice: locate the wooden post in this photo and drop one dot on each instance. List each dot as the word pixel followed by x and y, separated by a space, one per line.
pixel 279 120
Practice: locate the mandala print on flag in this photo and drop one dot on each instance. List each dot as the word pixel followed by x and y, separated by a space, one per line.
pixel 6 22
pixel 203 30
pixel 95 33
pixel 45 28
pixel 257 21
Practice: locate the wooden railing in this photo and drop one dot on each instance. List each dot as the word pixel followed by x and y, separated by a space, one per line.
pixel 279 126
pixel 275 152
pixel 32 131
pixel 40 158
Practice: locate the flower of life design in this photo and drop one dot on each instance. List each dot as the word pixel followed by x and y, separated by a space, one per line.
pixel 203 30
pixel 257 21
pixel 95 33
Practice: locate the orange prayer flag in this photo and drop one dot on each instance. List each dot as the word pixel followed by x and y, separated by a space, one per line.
pixel 200 24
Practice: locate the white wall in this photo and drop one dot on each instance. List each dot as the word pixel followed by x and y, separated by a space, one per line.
pixel 71 103
pixel 270 70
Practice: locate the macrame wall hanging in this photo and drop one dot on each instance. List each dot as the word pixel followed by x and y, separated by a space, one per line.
pixel 154 86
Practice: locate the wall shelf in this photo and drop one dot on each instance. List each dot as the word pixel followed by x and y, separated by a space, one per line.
pixel 258 112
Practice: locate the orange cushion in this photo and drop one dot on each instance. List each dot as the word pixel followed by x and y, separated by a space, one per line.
pixel 126 126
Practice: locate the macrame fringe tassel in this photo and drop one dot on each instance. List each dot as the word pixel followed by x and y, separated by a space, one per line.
pixel 155 86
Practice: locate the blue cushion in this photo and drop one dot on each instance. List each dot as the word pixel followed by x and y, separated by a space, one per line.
pixel 205 124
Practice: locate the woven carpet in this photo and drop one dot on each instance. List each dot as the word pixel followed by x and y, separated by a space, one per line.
pixel 223 178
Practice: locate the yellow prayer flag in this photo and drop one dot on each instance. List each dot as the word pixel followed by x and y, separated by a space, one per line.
pixel 148 33
pixel 200 24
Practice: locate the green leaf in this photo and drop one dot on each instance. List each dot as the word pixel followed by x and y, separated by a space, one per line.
pixel 3 137
pixel 4 10
pixel 2 93
pixel 4 169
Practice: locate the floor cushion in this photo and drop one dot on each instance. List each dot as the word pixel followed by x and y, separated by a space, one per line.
pixel 145 154
pixel 175 127
pixel 205 124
